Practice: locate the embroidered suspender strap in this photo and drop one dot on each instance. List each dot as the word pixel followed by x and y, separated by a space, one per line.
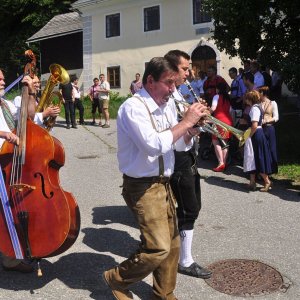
pixel 161 166
pixel 9 119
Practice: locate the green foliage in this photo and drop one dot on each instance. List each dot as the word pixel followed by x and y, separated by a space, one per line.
pixel 20 19
pixel 114 103
pixel 263 29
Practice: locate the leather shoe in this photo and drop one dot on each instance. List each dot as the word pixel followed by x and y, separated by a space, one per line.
pixel 118 293
pixel 194 270
pixel 22 267
pixel 68 126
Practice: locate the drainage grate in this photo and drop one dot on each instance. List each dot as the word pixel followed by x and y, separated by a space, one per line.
pixel 241 277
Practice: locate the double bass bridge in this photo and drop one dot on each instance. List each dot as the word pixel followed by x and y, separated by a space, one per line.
pixel 20 187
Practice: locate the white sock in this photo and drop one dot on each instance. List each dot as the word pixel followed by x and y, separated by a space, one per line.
pixel 186 239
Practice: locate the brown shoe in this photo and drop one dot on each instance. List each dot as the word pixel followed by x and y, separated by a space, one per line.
pixel 117 292
pixel 22 267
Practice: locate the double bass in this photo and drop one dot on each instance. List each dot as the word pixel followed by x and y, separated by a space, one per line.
pixel 38 219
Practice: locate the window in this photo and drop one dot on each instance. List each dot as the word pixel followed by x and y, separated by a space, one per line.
pixel 151 18
pixel 113 25
pixel 198 15
pixel 113 77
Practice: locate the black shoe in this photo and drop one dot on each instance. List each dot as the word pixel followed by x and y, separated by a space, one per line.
pixel 74 126
pixel 22 267
pixel 82 123
pixel 195 270
pixel 93 123
pixel 68 126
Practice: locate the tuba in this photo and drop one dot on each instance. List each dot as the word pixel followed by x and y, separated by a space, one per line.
pixel 58 75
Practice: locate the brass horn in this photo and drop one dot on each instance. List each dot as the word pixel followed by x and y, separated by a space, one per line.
pixel 241 135
pixel 58 75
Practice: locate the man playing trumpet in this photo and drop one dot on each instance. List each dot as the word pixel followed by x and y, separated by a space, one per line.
pixel 185 182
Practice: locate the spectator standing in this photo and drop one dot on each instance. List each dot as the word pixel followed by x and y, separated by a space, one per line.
pixel 200 82
pixel 246 64
pixel 237 90
pixel 275 92
pixel 136 84
pixel 68 100
pixel 221 110
pixel 104 99
pixel 248 79
pixel 257 156
pixel 185 91
pixel 258 77
pixel 94 97
pixel 210 84
pixel 266 73
pixel 78 102
pixel 270 117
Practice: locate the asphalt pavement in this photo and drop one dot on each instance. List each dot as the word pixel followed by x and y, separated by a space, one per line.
pixel 233 224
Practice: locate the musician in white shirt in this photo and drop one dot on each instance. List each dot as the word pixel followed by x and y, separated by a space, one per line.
pixel 148 132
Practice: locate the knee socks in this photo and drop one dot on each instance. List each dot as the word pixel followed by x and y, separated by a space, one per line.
pixel 186 238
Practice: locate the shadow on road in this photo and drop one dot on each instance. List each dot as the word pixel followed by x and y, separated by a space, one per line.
pixel 110 240
pixel 282 188
pixel 76 270
pixel 113 214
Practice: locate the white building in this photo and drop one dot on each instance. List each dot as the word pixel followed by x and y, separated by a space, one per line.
pixel 121 36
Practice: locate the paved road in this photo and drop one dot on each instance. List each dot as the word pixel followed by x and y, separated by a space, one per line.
pixel 232 224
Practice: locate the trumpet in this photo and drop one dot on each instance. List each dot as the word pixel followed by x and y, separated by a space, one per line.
pixel 241 135
pixel 58 75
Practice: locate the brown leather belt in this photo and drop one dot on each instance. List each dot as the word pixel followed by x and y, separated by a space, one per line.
pixel 153 179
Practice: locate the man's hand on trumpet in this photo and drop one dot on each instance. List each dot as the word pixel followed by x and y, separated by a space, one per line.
pixel 194 113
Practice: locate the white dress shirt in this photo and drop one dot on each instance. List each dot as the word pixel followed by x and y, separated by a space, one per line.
pixel 275 111
pixel 3 124
pixel 139 144
pixel 38 117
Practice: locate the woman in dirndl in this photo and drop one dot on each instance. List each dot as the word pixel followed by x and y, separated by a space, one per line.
pixel 220 109
pixel 257 155
pixel 271 116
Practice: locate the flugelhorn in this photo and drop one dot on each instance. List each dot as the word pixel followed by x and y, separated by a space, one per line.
pixel 58 75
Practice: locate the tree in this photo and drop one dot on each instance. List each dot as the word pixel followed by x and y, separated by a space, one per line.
pixel 267 30
pixel 19 20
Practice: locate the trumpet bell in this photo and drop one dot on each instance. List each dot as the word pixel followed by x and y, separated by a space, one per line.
pixel 244 137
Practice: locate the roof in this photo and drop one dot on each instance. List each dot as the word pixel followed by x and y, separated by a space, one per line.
pixel 58 26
